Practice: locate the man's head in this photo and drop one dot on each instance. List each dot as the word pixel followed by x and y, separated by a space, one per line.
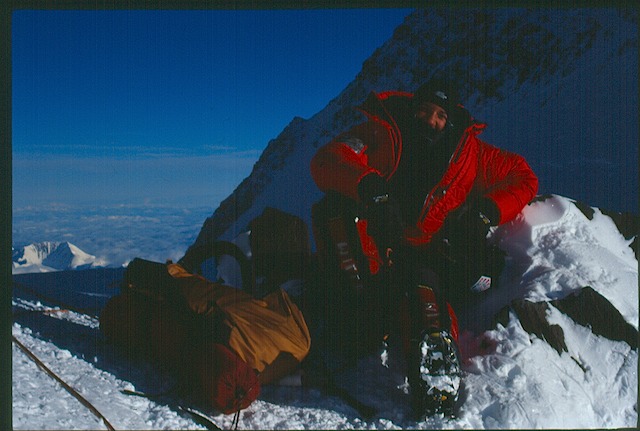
pixel 437 91
pixel 432 106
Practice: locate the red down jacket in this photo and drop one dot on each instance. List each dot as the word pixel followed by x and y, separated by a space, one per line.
pixel 499 175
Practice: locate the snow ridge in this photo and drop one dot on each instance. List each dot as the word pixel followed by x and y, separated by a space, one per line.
pixel 537 58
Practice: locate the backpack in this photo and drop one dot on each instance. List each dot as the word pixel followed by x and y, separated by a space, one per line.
pixel 274 249
pixel 225 342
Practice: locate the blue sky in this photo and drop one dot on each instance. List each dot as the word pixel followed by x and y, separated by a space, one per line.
pixel 169 107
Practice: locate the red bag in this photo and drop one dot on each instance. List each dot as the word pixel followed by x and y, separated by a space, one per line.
pixel 148 328
pixel 227 382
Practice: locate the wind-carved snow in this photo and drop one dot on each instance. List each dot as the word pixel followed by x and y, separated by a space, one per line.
pixel 568 251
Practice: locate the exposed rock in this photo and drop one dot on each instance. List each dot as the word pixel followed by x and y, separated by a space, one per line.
pixel 586 307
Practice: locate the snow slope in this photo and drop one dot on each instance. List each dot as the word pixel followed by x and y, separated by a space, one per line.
pixel 513 379
pixel 556 85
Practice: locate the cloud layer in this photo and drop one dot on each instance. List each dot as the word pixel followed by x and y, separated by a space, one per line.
pixel 116 233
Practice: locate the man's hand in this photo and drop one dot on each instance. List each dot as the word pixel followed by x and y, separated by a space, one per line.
pixel 384 222
pixel 465 230
pixel 372 188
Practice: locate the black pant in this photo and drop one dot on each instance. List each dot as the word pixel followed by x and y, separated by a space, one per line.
pixel 355 312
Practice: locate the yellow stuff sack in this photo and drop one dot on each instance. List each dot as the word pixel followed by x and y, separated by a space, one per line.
pixel 269 334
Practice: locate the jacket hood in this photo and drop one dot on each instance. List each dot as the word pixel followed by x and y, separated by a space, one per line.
pixel 393 107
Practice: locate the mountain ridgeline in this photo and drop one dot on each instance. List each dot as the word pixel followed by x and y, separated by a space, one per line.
pixel 550 83
pixel 52 256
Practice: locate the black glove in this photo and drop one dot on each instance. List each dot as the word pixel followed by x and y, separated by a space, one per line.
pixel 372 188
pixel 475 216
pixel 465 244
pixel 466 228
pixel 384 223
pixel 488 211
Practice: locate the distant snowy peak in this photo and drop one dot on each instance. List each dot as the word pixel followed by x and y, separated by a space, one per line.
pixel 52 256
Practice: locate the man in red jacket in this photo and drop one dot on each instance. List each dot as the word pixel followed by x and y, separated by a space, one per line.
pixel 428 186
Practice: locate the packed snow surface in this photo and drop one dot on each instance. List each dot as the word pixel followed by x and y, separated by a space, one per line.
pixel 511 379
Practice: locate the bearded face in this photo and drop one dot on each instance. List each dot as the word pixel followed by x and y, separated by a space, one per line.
pixel 429 123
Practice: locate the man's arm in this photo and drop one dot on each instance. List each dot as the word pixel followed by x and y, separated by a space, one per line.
pixel 342 163
pixel 506 179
